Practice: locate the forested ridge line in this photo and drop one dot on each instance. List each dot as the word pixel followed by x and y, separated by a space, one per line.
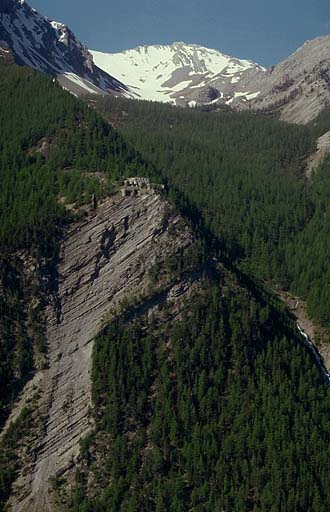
pixel 244 176
pixel 51 143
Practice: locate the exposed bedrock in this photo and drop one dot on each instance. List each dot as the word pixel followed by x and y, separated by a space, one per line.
pixel 104 259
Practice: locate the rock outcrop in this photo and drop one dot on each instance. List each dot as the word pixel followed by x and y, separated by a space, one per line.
pixel 105 259
pixel 323 150
pixel 297 89
pixel 317 337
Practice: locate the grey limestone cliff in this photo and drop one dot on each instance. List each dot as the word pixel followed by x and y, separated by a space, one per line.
pixel 105 258
pixel 298 88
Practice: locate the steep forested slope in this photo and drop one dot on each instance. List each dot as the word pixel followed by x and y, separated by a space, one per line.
pixel 308 253
pixel 205 395
pixel 42 130
pixel 243 173
pixel 221 409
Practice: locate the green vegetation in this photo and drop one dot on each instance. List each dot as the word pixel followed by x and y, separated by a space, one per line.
pixel 321 124
pixel 222 410
pixel 54 151
pixel 50 146
pixel 242 178
pixel 19 321
pixel 9 460
pixel 308 254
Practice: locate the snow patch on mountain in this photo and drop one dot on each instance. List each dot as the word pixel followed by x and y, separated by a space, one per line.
pixel 78 81
pixel 168 73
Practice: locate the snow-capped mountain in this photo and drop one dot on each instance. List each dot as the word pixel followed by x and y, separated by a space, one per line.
pixel 52 48
pixel 297 89
pixel 179 73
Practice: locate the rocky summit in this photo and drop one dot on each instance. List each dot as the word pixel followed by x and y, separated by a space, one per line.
pixel 298 89
pixel 52 48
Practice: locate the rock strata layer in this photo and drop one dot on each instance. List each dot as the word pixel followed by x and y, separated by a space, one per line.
pixel 104 260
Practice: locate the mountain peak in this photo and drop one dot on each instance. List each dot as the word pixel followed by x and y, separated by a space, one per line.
pixel 175 72
pixel 51 47
pixel 182 43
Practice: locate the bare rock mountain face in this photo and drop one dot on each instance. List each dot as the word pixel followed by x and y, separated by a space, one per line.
pixel 298 88
pixel 6 55
pixel 315 160
pixel 52 48
pixel 105 260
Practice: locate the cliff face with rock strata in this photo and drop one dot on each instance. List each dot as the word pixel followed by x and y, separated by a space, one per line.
pixel 104 260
